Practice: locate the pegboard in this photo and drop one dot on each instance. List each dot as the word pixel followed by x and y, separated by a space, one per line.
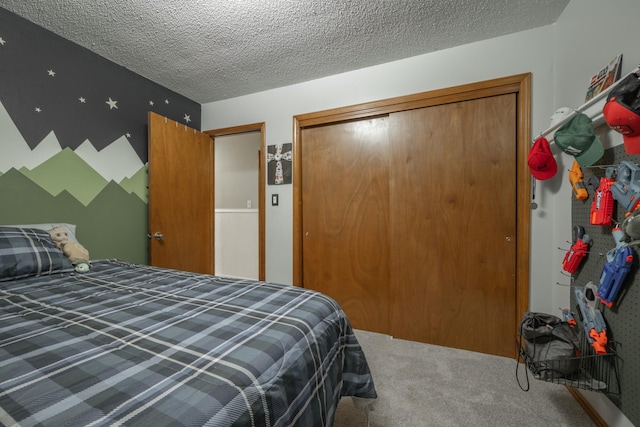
pixel 623 318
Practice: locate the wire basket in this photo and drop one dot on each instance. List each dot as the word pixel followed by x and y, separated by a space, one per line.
pixel 588 371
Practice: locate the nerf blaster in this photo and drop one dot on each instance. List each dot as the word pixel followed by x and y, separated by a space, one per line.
pixel 577 184
pixel 594 326
pixel 577 252
pixel 615 270
pixel 626 189
pixel 567 316
pixel 602 204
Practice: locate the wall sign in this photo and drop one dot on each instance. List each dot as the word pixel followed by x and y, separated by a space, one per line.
pixel 279 164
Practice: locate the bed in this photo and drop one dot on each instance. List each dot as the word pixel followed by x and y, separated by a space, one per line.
pixel 135 345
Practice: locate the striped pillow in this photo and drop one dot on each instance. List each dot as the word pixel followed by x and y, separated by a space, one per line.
pixel 28 252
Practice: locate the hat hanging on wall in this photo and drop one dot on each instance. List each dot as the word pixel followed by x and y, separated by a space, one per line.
pixel 541 161
pixel 578 138
pixel 622 112
pixel 560 114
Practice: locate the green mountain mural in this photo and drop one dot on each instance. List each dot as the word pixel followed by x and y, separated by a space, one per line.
pixel 112 225
pixel 138 184
pixel 67 171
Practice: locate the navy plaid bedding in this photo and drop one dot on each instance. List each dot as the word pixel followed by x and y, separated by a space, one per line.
pixel 134 345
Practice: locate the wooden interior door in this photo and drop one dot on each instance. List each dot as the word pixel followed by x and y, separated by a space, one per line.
pixel 453 224
pixel 346 218
pixel 181 196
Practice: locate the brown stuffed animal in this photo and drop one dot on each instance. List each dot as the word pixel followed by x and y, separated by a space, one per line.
pixel 77 254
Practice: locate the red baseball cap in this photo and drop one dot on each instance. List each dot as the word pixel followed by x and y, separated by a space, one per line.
pixel 622 111
pixel 623 120
pixel 541 161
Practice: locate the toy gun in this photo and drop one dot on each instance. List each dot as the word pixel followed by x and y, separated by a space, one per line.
pixel 577 252
pixel 615 270
pixel 577 184
pixel 567 316
pixel 602 204
pixel 594 326
pixel 626 189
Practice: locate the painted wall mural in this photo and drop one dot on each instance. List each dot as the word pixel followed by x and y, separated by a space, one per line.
pixel 73 139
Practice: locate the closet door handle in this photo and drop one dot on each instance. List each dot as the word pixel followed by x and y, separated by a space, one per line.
pixel 158 236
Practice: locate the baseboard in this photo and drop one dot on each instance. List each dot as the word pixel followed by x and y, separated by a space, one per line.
pixel 593 414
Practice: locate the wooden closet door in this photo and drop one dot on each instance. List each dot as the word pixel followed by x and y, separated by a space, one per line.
pixel 345 219
pixel 453 224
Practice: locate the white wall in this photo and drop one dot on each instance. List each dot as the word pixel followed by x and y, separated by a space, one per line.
pixel 236 243
pixel 236 170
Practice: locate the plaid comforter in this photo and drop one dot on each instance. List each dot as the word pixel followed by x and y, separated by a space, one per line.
pixel 142 346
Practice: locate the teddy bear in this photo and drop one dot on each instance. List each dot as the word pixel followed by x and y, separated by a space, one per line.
pixel 77 254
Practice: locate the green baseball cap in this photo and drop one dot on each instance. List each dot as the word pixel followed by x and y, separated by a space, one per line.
pixel 578 138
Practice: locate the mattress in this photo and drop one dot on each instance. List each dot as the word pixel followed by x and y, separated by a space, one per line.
pixel 135 345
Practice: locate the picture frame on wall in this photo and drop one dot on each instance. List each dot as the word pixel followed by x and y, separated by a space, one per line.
pixel 604 78
pixel 279 158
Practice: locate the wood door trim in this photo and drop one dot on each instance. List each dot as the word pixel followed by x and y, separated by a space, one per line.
pixel 466 92
pixel 519 84
pixel 253 127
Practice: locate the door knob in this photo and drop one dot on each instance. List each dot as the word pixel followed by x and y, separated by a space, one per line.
pixel 158 236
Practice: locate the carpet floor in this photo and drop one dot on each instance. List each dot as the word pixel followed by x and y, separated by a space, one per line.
pixel 422 385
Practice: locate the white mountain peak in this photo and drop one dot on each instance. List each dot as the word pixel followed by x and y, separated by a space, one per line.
pixel 115 162
pixel 16 153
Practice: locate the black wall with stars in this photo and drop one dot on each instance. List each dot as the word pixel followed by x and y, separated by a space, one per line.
pixel 49 83
pixel 56 91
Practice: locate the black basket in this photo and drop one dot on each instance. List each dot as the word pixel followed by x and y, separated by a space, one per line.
pixel 593 371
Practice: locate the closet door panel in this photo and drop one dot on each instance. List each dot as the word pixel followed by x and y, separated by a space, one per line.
pixel 453 224
pixel 345 194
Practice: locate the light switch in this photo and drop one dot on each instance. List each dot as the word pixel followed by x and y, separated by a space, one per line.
pixel 274 200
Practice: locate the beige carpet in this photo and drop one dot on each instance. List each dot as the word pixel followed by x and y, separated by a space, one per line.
pixel 424 385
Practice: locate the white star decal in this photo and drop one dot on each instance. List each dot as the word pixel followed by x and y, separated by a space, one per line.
pixel 128 135
pixel 166 101
pixel 150 102
pixel 82 100
pixel 2 42
pixel 112 104
pixel 187 118
pixel 51 73
pixel 38 109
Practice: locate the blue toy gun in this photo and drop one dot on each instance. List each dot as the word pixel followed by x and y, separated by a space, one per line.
pixel 594 326
pixel 614 272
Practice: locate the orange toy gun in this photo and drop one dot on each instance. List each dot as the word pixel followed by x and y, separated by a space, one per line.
pixel 567 316
pixel 577 184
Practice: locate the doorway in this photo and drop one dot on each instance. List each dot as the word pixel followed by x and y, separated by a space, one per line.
pixel 431 139
pixel 239 204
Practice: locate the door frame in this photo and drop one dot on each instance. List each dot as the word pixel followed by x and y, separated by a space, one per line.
pixel 235 130
pixel 520 84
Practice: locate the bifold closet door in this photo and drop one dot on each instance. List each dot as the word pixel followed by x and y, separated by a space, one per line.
pixel 453 224
pixel 345 218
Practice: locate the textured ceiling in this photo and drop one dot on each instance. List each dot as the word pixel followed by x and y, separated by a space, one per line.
pixel 208 50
